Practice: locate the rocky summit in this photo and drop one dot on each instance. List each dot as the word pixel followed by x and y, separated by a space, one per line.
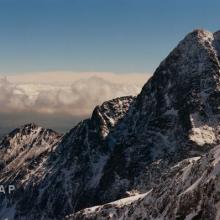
pixel 154 156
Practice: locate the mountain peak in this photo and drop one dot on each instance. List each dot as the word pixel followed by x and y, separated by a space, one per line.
pixel 200 33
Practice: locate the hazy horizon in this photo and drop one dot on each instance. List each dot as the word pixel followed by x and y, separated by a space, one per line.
pixel 60 100
pixel 59 59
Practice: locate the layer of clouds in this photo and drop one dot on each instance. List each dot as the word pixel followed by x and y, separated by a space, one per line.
pixel 49 98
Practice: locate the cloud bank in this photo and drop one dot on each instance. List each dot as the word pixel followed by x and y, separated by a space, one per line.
pixel 42 97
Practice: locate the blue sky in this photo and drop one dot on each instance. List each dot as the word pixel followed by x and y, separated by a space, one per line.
pixel 97 35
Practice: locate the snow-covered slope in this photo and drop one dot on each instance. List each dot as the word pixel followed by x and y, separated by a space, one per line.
pixel 190 191
pixel 23 155
pixel 147 147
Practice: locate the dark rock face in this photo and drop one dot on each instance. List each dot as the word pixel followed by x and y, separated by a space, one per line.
pixel 130 145
pixel 174 115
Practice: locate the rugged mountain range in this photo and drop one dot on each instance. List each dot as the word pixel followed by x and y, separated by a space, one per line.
pixel 157 154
